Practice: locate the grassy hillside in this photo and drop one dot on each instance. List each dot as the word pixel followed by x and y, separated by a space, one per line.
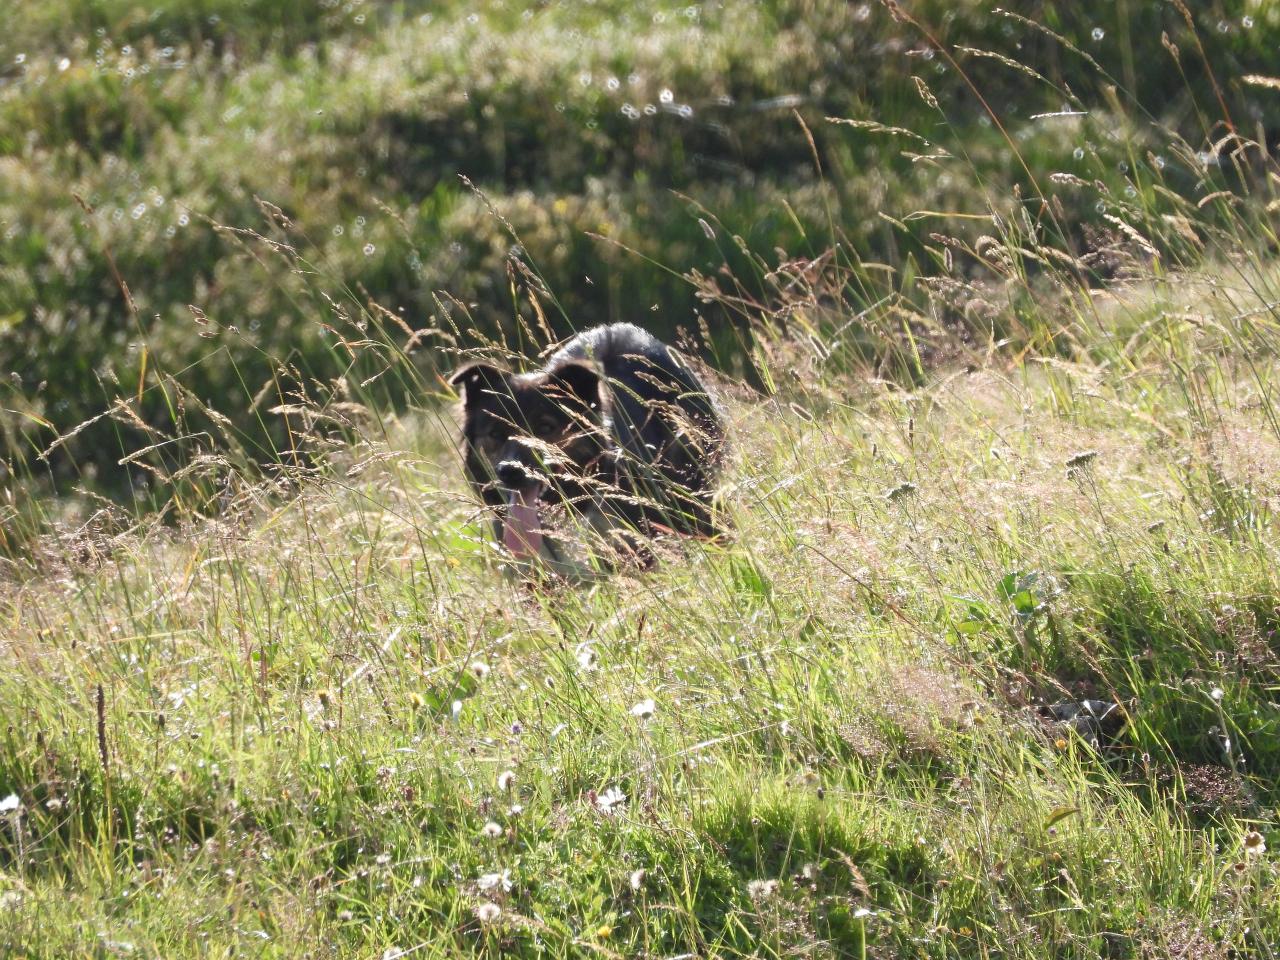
pixel 296 174
pixel 326 724
pixel 990 664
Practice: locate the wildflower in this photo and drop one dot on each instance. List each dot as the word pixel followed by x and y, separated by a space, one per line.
pixel 382 859
pixel 10 803
pixel 455 709
pixel 488 913
pixel 603 931
pixel 1217 694
pixel 515 810
pixel 1060 743
pixel 479 669
pixel 53 804
pixel 586 657
pixel 900 491
pixel 1255 844
pixel 491 881
pixel 762 889
pixel 644 709
pixel 609 801
pixel 491 830
pixel 1081 459
pixel 506 780
pixel 637 879
pixel 346 915
pixel 416 701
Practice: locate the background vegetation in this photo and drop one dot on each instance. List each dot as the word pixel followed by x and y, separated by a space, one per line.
pixel 282 167
pixel 991 296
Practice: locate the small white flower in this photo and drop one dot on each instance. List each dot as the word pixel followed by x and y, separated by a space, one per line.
pixel 587 659
pixel 506 780
pixel 1217 694
pixel 382 859
pixel 515 810
pixel 491 881
pixel 762 889
pixel 491 830
pixel 479 669
pixel 10 803
pixel 644 709
pixel 637 879
pixel 488 913
pixel 610 801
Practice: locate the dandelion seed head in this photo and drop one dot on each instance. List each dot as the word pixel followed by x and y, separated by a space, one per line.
pixel 491 830
pixel 493 881
pixel 488 913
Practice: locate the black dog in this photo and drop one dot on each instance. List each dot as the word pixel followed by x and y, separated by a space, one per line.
pixel 615 431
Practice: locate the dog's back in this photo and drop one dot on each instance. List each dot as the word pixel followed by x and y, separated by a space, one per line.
pixel 662 417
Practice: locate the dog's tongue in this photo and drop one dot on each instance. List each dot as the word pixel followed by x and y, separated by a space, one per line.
pixel 522 534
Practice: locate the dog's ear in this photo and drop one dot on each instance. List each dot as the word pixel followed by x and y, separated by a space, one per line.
pixel 582 385
pixel 474 378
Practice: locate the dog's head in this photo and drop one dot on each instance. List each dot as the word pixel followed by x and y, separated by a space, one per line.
pixel 532 439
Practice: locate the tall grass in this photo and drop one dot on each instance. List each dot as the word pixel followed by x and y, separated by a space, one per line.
pixel 293 705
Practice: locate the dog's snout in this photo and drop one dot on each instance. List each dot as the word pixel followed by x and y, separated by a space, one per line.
pixel 513 474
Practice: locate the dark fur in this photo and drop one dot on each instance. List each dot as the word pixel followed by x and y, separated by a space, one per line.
pixel 615 426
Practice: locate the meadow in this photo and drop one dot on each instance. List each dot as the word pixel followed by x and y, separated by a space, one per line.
pixel 989 665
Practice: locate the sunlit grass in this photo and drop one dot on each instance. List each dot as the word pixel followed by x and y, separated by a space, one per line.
pixel 331 718
pixel 1010 448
